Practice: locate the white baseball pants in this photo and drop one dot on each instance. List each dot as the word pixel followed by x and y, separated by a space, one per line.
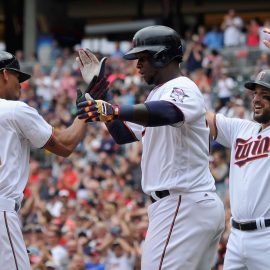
pixel 248 250
pixel 183 232
pixel 13 253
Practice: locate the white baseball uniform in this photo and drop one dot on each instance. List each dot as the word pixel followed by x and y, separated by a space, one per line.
pixel 20 127
pixel 184 227
pixel 249 191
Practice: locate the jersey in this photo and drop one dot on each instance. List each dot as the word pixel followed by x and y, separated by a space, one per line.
pixel 20 128
pixel 176 157
pixel 249 174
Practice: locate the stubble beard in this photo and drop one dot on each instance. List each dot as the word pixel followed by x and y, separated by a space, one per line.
pixel 263 118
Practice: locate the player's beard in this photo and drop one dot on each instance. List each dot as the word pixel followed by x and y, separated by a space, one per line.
pixel 263 118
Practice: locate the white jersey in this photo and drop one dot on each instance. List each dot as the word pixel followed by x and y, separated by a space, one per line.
pixel 177 157
pixel 249 166
pixel 20 127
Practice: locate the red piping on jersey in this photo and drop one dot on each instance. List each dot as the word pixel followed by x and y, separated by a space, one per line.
pixel 143 132
pixel 209 145
pixel 10 241
pixel 49 139
pixel 170 233
pixel 215 127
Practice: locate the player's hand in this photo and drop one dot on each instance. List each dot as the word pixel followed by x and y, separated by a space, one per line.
pixel 93 73
pixel 97 110
pixel 267 41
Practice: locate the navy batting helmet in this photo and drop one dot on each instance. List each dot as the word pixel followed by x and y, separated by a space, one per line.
pixel 162 42
pixel 8 61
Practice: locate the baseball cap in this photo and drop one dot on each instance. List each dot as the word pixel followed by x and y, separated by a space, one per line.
pixel 263 79
pixel 63 193
pixel 8 61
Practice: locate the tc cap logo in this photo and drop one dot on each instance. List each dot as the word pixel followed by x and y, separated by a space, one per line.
pixel 260 76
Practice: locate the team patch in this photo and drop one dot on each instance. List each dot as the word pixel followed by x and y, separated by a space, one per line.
pixel 260 76
pixel 178 94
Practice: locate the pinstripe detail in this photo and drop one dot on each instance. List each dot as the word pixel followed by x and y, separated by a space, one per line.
pixel 10 241
pixel 170 233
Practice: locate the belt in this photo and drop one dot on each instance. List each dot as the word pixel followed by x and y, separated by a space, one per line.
pixel 8 205
pixel 159 195
pixel 248 226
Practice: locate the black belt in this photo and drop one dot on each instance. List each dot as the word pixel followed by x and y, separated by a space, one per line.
pixel 248 226
pixel 160 194
pixel 17 207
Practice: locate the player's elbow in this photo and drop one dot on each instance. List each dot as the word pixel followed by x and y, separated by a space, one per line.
pixel 65 153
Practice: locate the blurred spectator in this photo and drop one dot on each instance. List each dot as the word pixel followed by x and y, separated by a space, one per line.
pixel 94 262
pixel 67 84
pixel 118 53
pixel 264 36
pixel 263 62
pixel 204 84
pixel 213 39
pixel 252 36
pixel 59 254
pixel 58 67
pixel 225 86
pixel 120 256
pixel 232 26
pixel 68 179
pixel 201 33
pixel 220 171
pixel 193 55
pixel 56 51
pixel 213 64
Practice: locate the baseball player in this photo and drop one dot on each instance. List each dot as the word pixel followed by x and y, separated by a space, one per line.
pixel 186 217
pixel 21 127
pixel 249 242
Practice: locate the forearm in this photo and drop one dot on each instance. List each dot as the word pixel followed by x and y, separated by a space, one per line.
pixel 120 132
pixel 64 141
pixel 71 136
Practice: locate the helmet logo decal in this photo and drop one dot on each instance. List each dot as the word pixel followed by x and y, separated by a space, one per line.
pixel 260 76
pixel 178 95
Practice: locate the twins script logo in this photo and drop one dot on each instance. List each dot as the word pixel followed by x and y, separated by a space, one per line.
pixel 251 149
pixel 178 94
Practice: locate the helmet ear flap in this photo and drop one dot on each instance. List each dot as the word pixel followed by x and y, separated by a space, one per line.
pixel 160 58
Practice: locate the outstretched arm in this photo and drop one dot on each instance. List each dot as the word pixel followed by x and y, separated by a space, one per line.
pixel 63 142
pixel 211 120
pixel 149 114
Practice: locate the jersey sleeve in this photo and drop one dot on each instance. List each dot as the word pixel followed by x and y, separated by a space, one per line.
pixel 31 125
pixel 187 97
pixel 227 129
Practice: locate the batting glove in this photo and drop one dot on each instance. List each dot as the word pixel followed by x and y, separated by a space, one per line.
pixel 93 73
pixel 97 110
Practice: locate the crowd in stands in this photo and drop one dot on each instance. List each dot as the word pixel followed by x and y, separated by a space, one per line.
pixel 87 211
